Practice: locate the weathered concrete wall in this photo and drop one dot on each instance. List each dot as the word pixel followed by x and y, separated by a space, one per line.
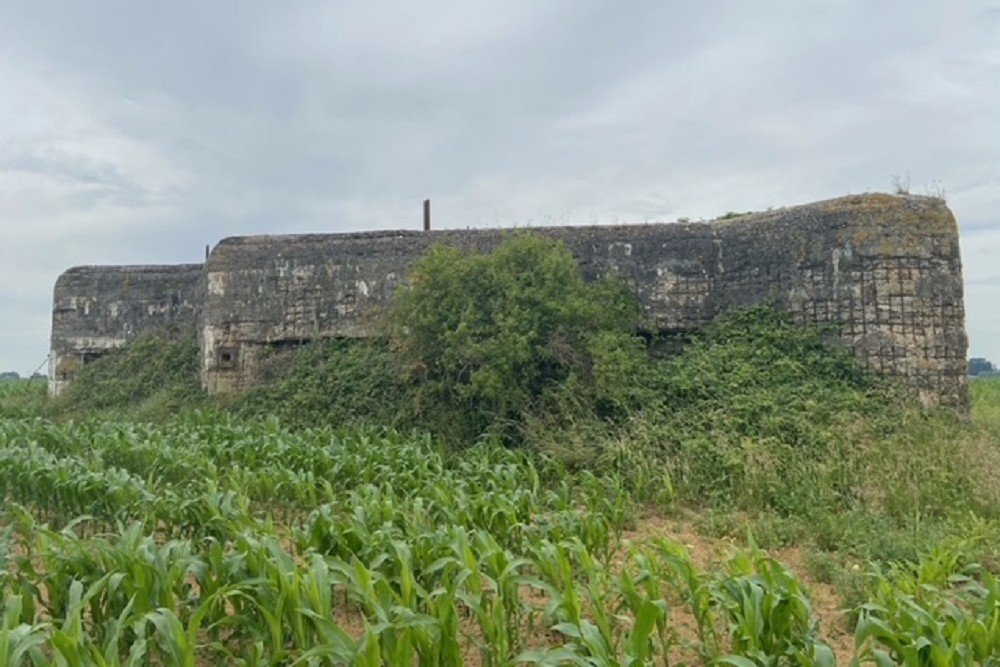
pixel 97 308
pixel 887 267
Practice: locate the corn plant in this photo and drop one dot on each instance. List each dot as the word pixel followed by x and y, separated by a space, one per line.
pixel 936 626
pixel 20 643
pixel 215 539
pixel 769 615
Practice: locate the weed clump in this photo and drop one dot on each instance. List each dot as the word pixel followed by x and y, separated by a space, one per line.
pixel 754 413
pixel 761 414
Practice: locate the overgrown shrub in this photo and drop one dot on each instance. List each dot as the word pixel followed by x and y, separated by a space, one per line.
pixel 486 341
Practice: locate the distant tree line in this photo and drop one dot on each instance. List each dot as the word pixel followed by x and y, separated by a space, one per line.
pixel 14 375
pixel 980 366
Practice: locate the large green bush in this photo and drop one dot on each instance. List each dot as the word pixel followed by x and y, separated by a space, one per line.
pixel 488 340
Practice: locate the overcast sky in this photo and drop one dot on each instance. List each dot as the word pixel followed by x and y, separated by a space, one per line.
pixel 138 131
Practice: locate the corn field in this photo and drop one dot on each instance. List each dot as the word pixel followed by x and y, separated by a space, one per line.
pixel 213 541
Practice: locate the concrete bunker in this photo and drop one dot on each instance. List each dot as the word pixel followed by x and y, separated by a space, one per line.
pixel 97 309
pixel 887 268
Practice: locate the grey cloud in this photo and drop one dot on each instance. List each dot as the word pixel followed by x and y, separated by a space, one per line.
pixel 94 181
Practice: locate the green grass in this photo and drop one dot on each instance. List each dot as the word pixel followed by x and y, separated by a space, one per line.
pixel 23 398
pixel 986 404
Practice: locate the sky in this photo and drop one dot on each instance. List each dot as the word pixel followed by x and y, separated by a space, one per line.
pixel 138 132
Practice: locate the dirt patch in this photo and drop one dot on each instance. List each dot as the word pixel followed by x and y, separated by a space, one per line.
pixel 827 606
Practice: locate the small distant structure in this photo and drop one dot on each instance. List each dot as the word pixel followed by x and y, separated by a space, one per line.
pixel 980 366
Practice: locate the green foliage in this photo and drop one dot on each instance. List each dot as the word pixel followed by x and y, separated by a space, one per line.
pixel 22 398
pixel 488 339
pixel 412 537
pixel 760 347
pixel 935 612
pixel 769 615
pixel 752 414
pixel 152 378
pixel 217 538
pixel 759 414
pixel 339 381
